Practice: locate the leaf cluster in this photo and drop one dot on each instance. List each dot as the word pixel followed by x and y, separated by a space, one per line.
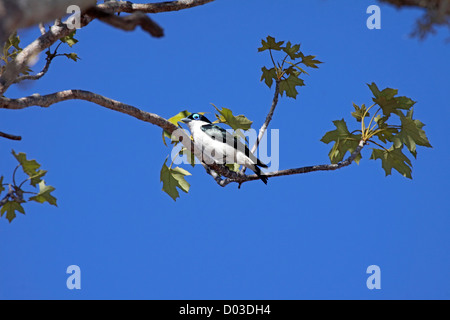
pixel 70 41
pixel 287 72
pixel 391 128
pixel 12 201
pixel 10 50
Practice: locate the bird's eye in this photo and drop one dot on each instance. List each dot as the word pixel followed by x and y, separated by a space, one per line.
pixel 196 117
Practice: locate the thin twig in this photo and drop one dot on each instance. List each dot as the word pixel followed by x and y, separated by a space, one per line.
pixel 8 195
pixel 10 136
pixel 266 123
pixel 40 74
pixel 308 169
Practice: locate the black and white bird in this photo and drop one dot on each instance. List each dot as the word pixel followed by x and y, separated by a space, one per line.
pixel 221 145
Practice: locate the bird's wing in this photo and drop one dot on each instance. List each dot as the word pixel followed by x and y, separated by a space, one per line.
pixel 224 136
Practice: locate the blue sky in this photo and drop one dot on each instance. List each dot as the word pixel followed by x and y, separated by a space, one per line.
pixel 308 236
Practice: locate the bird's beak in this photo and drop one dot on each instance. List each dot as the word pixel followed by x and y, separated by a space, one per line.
pixel 186 120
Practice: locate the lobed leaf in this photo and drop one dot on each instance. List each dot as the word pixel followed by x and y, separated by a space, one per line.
pixel 388 101
pixel 236 122
pixel 30 167
pixel 359 112
pixel 271 44
pixel 10 207
pixel 44 194
pixel 173 179
pixel 393 159
pixel 292 51
pixel 411 133
pixel 310 61
pixel 344 142
pixel 289 85
pixel 268 75
pixel 73 56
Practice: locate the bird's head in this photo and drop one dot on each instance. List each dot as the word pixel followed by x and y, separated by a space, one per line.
pixel 195 117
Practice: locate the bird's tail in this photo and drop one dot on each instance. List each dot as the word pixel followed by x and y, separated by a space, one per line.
pixel 261 164
pixel 259 174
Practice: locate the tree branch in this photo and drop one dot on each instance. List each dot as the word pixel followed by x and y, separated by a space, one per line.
pixel 265 125
pixel 26 13
pixel 60 30
pixel 167 6
pixel 15 67
pixel 10 136
pixel 127 23
pixel 40 74
pixel 8 195
pixel 287 172
pixel 212 168
pixel 50 99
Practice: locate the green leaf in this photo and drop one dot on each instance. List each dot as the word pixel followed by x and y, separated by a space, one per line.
pixel 292 51
pixel 233 166
pixel 72 56
pixel 289 85
pixel 270 43
pixel 310 61
pixel 388 102
pixel 2 188
pixel 236 122
pixel 387 134
pixel 14 40
pixel 268 75
pixel 411 133
pixel 359 112
pixel 173 179
pixel 44 194
pixel 296 66
pixel 344 142
pixel 29 166
pixel 374 88
pixel 393 158
pixel 175 120
pixel 37 177
pixel 10 208
pixel 69 39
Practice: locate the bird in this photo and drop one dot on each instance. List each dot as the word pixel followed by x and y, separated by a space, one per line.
pixel 221 145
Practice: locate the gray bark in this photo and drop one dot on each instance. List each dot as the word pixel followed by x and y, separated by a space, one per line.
pixel 18 14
